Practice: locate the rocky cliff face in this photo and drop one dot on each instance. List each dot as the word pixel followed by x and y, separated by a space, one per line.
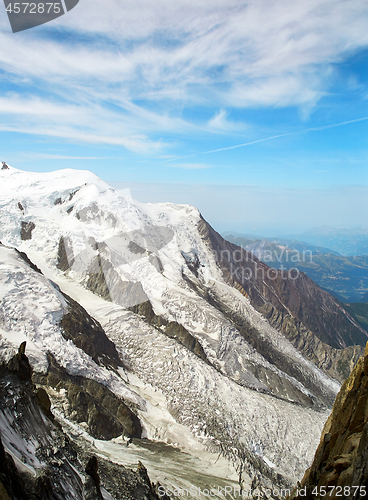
pixel 312 319
pixel 341 461
pixel 38 461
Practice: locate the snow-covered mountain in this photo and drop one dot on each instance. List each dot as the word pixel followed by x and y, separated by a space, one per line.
pixel 149 303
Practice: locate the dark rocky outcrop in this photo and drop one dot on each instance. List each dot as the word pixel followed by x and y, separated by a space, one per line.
pixel 60 201
pixel 11 483
pixel 92 490
pixel 43 401
pixel 106 415
pixel 87 334
pixel 4 166
pixel 192 263
pixel 24 257
pixel 171 329
pixel 26 230
pixel 105 281
pixel 23 421
pixel 60 461
pixel 97 281
pixel 312 319
pixel 19 364
pixel 341 460
pixel 128 484
pixel 65 258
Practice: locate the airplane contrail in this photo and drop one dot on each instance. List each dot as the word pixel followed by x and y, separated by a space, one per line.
pixel 305 131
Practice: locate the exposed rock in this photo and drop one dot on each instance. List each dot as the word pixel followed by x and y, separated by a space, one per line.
pixel 192 263
pixel 72 194
pixel 20 206
pixel 106 415
pixel 26 230
pixel 92 490
pixel 104 280
pixel 60 201
pixel 341 460
pixel 307 315
pixel 40 444
pixel 172 329
pixel 43 401
pixel 34 440
pixel 128 484
pixel 24 256
pixel 5 166
pixel 19 364
pixel 337 363
pixel 65 258
pixel 145 309
pixel 177 332
pixel 11 482
pixel 87 334
pixel 96 281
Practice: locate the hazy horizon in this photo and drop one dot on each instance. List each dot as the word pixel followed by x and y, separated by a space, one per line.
pixel 261 211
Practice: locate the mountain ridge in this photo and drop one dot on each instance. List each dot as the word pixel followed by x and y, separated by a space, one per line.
pixel 194 340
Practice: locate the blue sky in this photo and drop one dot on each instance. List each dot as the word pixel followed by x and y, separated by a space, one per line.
pixel 256 112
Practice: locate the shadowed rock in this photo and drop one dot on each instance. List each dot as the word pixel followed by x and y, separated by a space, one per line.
pixel 106 415
pixel 11 483
pixel 19 364
pixel 26 230
pixel 341 459
pixel 309 317
pixel 92 490
pixel 87 334
pixel 171 329
pixel 24 257
pixel 65 258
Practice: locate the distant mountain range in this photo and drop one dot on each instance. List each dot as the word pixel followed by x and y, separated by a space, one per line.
pixel 324 239
pixel 345 241
pixel 346 277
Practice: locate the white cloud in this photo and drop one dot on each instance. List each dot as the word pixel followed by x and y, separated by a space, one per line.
pixel 125 70
pixel 219 122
